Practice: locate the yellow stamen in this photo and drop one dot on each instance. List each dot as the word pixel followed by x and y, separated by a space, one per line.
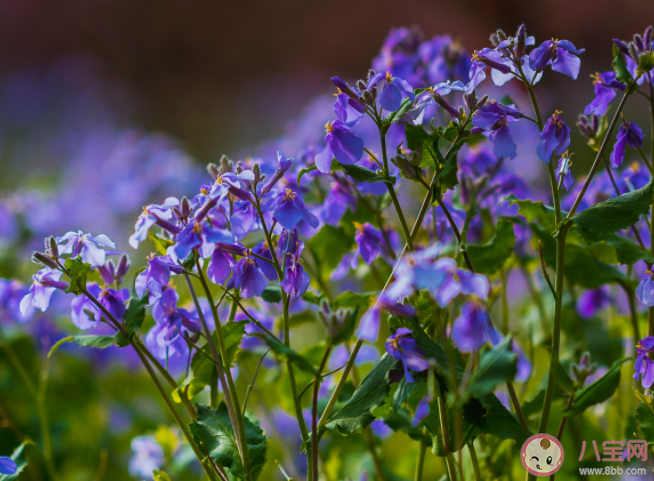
pixel 204 191
pixel 328 126
pixel 289 195
pixel 339 92
pixel 635 167
pixel 389 77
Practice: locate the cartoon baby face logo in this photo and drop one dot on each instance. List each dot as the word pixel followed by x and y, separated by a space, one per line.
pixel 542 455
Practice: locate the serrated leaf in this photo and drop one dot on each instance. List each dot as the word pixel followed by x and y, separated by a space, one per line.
pixel 99 342
pixel 77 271
pixel 135 314
pixel 214 430
pixel 490 257
pixel 496 366
pixel 645 418
pixel 356 413
pixel 598 391
pixel 616 213
pixel 18 457
pixel 363 174
pixel 161 244
pixel 291 355
pixel 272 293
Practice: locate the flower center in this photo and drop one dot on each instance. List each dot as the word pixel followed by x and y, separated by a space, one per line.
pixel 338 92
pixel 197 228
pixel 596 78
pixel 329 127
pixel 204 191
pixel 289 195
pixel 557 119
pixel 359 227
pixel 389 77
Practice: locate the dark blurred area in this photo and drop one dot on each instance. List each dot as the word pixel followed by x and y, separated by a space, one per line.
pixel 220 75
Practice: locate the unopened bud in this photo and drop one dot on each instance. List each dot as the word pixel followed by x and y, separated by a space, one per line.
pixel 185 207
pixel 402 162
pixel 622 46
pixel 213 170
pixel 494 40
pixel 521 41
pixel 633 52
pixel 501 35
pixel 361 85
pixel 454 113
pixel 368 98
pixel 225 164
pixel 371 74
pixel 123 266
pixel 51 247
pixel 648 36
pixel 239 167
pixel 256 170
pixel 482 102
pixel 638 41
pixel 40 258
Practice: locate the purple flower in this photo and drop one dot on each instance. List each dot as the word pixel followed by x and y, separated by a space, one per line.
pixel 493 119
pixel 151 215
pixel 555 138
pixel 561 54
pixel 605 87
pixel 404 348
pixel 435 95
pixel 457 281
pixel 229 183
pixel 155 276
pixel 563 171
pixel 243 219
pixel 629 134
pixel 422 410
pixel 392 90
pixel 7 465
pixel 486 58
pixel 248 277
pixel 148 456
pixel 336 204
pixel 592 301
pixel 368 329
pixel 290 209
pixel 86 245
pixel 11 294
pixel 380 429
pixel 645 290
pixel 643 364
pixel 295 281
pixel 263 250
pixel 348 110
pixel 111 299
pixel 342 145
pixel 473 328
pixel 196 234
pixel 283 164
pixel 369 241
pixel 46 281
pixel 220 266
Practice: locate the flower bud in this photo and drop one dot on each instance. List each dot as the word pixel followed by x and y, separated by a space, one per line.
pixel 40 258
pixel 239 167
pixel 638 41
pixel 470 100
pixel 368 98
pixel 622 46
pixel 648 36
pixel 240 193
pixel 371 74
pixel 501 35
pixel 361 85
pixel 476 130
pixel 454 113
pixel 231 248
pixel 213 170
pixel 494 40
pixel 482 102
pixel 256 170
pixel 402 162
pixel 584 369
pixel 51 247
pixel 108 272
pixel 633 52
pixel 185 207
pixel 520 48
pixel 225 164
pixel 123 266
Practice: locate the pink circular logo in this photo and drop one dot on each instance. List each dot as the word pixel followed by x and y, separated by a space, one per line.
pixel 542 455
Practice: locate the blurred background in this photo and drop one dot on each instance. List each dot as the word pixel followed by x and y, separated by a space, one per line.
pixel 107 105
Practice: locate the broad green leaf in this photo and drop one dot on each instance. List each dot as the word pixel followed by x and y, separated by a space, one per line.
pixel 161 244
pixel 582 268
pixel 562 378
pixel 616 213
pixel 293 356
pixel 500 422
pixel 490 257
pixel 272 294
pixel 356 413
pixel 534 405
pixel 99 342
pixel 78 271
pixel 496 366
pixel 354 299
pixel 303 172
pixel 18 456
pixel 471 427
pixel 312 298
pixel 645 418
pixel 626 250
pixel 534 212
pixel 645 63
pixel 415 136
pixel 159 475
pixel 363 174
pixel 447 178
pixel 620 69
pixel 214 430
pixel 329 246
pixel 135 314
pixel 597 392
pixel 233 332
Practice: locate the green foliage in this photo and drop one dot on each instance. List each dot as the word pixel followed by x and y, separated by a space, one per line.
pixel 496 366
pixel 562 378
pixel 356 413
pixel 77 271
pixel 305 171
pixel 416 135
pixel 626 250
pixel 161 244
pixel 214 430
pixel 620 69
pixel 99 342
pixel 500 422
pixel 616 213
pixel 490 257
pixel 598 391
pixel 328 247
pixel 534 212
pixel 272 293
pixel 135 314
pixel 291 355
pixel 447 178
pixel 159 475
pixel 645 63
pixel 19 457
pixel 363 174
pixel 645 418
pixel 405 106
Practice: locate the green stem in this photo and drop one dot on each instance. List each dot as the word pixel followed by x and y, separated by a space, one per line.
pixel 370 441
pixel 475 462
pixel 422 450
pixel 239 427
pixel 314 415
pixel 442 413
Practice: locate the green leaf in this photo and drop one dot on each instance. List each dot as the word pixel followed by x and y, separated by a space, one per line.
pixel 415 136
pixel 161 244
pixel 135 314
pixel 616 213
pixel 233 333
pixel 18 456
pixel 293 356
pixel 496 366
pixel 621 72
pixel 405 106
pixel 272 294
pixel 563 379
pixel 490 257
pixel 626 250
pixel 312 298
pixel 303 172
pixel 645 63
pixel 159 475
pixel 99 342
pixel 645 418
pixel 583 269
pixel 500 422
pixel 363 174
pixel 471 427
pixel 78 271
pixel 447 178
pixel 329 246
pixel 356 413
pixel 354 299
pixel 534 212
pixel 597 392
pixel 214 430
